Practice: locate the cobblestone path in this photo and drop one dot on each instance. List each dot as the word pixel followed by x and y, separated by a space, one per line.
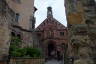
pixel 54 62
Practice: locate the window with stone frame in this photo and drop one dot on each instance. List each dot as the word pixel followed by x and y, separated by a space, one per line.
pixel 48 34
pixel 61 33
pixel 17 17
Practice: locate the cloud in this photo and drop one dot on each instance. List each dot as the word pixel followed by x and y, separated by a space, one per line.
pixel 58 10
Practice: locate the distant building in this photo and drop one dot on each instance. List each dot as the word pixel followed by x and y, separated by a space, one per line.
pixel 52 34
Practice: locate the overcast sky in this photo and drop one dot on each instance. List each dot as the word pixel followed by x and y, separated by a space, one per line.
pixel 57 7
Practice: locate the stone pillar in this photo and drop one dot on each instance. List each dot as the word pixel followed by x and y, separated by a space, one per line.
pixel 4 38
pixel 81 44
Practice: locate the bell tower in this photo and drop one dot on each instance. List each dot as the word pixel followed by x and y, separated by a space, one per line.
pixel 49 12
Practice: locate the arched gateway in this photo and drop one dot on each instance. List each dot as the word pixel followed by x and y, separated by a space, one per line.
pixel 51 48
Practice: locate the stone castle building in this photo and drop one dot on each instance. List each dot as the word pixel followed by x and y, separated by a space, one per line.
pixel 81 18
pixel 16 19
pixel 52 34
pixel 24 11
pixel 24 21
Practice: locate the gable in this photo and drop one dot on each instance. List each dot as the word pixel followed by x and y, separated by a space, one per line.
pixel 50 23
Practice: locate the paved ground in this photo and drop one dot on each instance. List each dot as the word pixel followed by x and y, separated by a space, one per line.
pixel 54 62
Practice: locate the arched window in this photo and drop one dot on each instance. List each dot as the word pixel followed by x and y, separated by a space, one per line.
pixel 19 36
pixel 12 34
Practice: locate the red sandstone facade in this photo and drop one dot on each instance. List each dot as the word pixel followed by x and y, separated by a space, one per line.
pixel 52 34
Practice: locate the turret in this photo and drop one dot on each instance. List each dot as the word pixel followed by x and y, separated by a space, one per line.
pixel 49 12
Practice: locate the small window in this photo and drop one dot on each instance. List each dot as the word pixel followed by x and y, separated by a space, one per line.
pixel 61 33
pixel 17 17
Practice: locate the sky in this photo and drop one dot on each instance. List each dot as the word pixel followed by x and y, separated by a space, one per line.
pixel 57 7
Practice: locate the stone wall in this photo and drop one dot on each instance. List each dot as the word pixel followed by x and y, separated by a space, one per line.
pixel 80 44
pixel 25 24
pixel 25 9
pixel 27 60
pixel 9 24
pixel 81 28
pixel 4 39
pixel 4 30
pixel 1 62
pixel 28 37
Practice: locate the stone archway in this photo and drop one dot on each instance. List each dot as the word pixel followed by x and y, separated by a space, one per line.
pixel 51 49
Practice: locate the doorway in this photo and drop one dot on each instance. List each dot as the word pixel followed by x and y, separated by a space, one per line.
pixel 51 50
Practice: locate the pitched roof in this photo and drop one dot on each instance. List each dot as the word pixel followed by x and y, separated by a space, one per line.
pixel 50 23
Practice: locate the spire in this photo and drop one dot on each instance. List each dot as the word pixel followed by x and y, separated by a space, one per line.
pixel 49 12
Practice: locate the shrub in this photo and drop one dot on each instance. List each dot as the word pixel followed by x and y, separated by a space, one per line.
pixel 16 51
pixel 26 52
pixel 33 52
pixel 19 52
pixel 15 41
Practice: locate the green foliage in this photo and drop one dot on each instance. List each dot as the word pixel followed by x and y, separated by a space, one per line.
pixel 26 52
pixel 19 52
pixel 14 45
pixel 16 51
pixel 15 41
pixel 33 52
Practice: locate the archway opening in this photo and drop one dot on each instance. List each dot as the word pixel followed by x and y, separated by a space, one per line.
pixel 51 49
